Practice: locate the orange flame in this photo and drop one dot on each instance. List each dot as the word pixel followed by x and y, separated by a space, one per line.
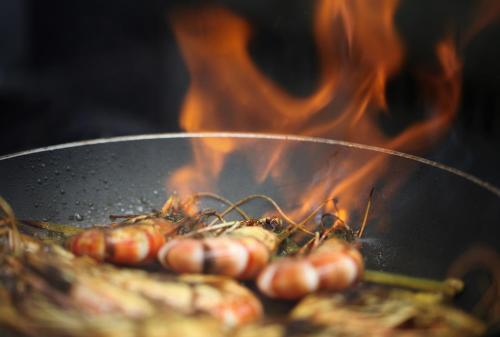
pixel 358 50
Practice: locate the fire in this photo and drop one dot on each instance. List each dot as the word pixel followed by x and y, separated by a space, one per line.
pixel 358 50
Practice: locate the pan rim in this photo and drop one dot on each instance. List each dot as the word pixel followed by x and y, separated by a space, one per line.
pixel 244 135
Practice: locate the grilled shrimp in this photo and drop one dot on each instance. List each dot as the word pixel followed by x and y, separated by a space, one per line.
pixel 138 238
pixel 335 265
pixel 125 244
pixel 242 254
pixel 90 289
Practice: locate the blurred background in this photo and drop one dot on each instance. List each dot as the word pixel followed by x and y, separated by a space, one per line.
pixel 74 70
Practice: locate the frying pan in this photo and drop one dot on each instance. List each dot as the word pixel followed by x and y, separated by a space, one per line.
pixel 435 214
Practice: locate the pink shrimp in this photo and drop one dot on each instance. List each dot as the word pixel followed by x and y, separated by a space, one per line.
pixel 241 254
pixel 335 265
pixel 128 244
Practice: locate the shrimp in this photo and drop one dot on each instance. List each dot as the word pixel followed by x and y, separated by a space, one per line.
pixel 138 238
pixel 92 289
pixel 40 272
pixel 224 299
pixel 130 243
pixel 241 254
pixel 335 265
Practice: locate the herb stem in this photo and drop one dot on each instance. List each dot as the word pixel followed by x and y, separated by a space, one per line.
pixel 449 287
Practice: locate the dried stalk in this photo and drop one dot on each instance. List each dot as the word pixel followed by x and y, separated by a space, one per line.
pixel 449 287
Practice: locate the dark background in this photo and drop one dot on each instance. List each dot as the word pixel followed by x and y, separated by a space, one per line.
pixel 73 70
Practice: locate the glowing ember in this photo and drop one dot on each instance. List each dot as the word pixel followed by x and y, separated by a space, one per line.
pixel 358 49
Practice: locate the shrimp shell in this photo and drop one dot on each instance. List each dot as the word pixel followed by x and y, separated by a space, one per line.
pixel 128 244
pixel 242 254
pixel 93 289
pixel 335 265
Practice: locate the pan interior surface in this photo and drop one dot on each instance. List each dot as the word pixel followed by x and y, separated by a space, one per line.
pixel 420 228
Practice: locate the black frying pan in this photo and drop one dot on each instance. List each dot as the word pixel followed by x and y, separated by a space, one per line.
pixel 434 216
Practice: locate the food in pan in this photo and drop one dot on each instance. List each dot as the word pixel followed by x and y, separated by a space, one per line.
pixel 177 271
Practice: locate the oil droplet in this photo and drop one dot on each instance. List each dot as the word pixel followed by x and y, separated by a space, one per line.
pixel 39 181
pixel 62 191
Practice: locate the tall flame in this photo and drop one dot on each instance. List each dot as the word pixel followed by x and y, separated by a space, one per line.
pixel 358 50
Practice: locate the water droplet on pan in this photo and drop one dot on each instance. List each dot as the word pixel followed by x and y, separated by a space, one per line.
pixel 77 217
